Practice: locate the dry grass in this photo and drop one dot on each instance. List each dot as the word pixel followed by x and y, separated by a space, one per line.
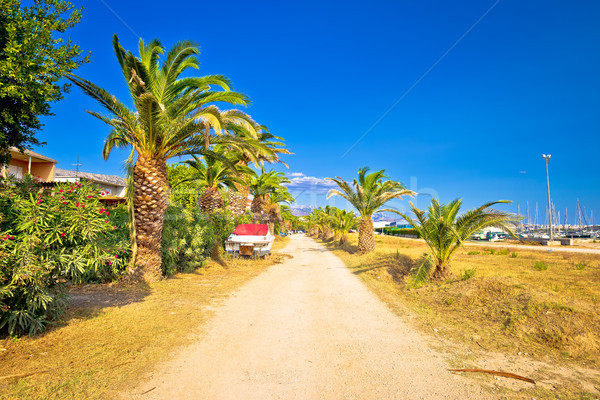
pixel 498 300
pixel 113 334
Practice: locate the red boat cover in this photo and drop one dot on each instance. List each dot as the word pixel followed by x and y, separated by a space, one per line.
pixel 251 230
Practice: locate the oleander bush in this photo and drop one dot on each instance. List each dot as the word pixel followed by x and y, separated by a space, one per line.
pixel 49 238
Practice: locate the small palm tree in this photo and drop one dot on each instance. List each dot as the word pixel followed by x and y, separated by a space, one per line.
pixel 261 187
pixel 171 118
pixel 214 175
pixel 280 196
pixel 368 194
pixel 261 148
pixel 445 231
pixel 341 222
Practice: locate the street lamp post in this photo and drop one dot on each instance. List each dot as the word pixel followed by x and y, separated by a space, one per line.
pixel 547 158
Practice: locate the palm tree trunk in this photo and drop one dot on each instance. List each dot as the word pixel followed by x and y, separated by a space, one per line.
pixel 441 272
pixel 239 199
pixel 343 239
pixel 211 200
pixel 259 204
pixel 150 198
pixel 366 235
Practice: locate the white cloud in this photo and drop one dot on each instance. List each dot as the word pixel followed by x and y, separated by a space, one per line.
pixel 310 184
pixel 294 174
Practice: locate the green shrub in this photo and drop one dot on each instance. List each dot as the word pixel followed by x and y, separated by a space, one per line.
pixel 47 239
pixel 514 254
pixel 468 274
pixel 502 252
pixel 580 265
pixel 540 266
pixel 473 253
pixel 190 237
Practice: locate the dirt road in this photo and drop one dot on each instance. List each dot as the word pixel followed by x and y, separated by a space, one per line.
pixel 307 329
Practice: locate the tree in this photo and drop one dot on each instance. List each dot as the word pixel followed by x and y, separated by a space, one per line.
pixel 265 147
pixel 33 59
pixel 213 175
pixel 170 119
pixel 279 197
pixel 445 231
pixel 368 194
pixel 341 223
pixel 261 187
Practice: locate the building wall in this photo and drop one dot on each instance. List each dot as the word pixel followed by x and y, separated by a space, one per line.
pixel 43 170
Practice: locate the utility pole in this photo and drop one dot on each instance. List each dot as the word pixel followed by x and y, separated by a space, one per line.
pixel 77 167
pixel 547 158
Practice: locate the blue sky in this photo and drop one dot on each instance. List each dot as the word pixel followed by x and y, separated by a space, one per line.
pixel 524 81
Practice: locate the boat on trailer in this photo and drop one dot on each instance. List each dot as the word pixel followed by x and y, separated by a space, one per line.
pixel 252 240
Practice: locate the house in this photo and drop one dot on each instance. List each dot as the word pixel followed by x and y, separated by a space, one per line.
pixel 111 185
pixel 31 163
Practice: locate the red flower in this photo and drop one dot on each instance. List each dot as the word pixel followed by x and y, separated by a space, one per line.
pixel 77 205
pixel 114 227
pixel 62 234
pixel 89 197
pixel 64 202
pixel 60 191
pixel 106 222
pixel 101 210
pixel 107 213
pixel 82 205
pixel 62 197
pixel 40 201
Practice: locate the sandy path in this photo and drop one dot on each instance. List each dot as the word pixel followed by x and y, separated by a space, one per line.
pixel 307 329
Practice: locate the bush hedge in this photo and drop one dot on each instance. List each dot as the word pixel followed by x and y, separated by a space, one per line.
pixel 47 239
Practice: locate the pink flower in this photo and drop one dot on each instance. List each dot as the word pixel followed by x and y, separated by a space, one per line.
pixel 101 210
pixel 40 201
pixel 106 222
pixel 114 227
pixel 109 263
pixel 89 197
pixel 62 197
pixel 64 202
pixel 107 213
pixel 116 256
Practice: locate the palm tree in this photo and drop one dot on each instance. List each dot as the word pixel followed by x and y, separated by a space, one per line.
pixel 445 231
pixel 276 199
pixel 341 222
pixel 213 175
pixel 262 148
pixel 368 194
pixel 170 119
pixel 261 187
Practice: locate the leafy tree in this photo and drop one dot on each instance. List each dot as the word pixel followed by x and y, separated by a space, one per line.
pixel 368 194
pixel 444 231
pixel 184 188
pixel 33 59
pixel 171 113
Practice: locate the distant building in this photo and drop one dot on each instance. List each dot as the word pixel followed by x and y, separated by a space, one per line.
pixel 30 163
pixel 112 185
